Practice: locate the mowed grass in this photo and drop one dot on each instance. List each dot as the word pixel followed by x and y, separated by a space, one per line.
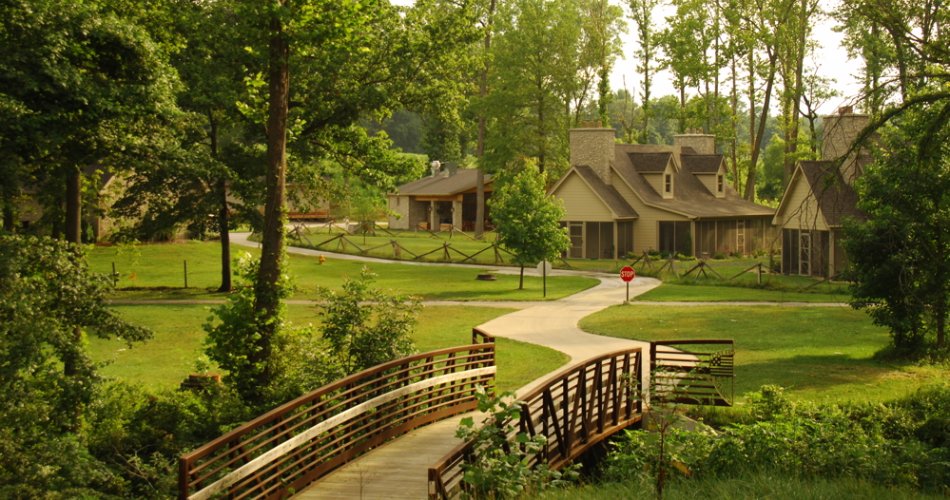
pixel 672 292
pixel 164 361
pixel 156 271
pixel 817 353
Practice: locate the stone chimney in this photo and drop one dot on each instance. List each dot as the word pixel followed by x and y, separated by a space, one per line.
pixel 704 144
pixel 840 132
pixel 593 147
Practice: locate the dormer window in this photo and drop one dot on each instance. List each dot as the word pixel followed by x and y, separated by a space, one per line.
pixel 668 183
pixel 719 181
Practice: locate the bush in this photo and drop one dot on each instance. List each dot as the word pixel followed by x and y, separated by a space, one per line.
pixel 900 443
pixel 364 327
pixel 500 464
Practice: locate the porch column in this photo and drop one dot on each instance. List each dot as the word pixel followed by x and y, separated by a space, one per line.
pixel 616 240
pixel 433 216
pixel 457 214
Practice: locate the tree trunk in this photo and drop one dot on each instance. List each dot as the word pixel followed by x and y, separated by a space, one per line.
pixel 223 213
pixel 521 278
pixel 757 143
pixel 482 130
pixel 225 232
pixel 267 287
pixel 73 228
pixel 9 224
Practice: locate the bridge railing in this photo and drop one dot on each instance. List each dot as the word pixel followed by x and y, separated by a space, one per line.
pixel 693 372
pixel 574 410
pixel 302 440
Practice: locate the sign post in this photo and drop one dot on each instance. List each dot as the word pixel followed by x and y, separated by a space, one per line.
pixel 627 274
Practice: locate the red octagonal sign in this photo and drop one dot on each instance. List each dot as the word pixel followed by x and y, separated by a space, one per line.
pixel 627 273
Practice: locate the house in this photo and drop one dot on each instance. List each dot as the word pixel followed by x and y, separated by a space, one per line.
pixel 443 201
pixel 624 199
pixel 97 223
pixel 819 198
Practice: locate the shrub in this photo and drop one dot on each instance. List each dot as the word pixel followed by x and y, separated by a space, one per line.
pixel 500 466
pixel 364 327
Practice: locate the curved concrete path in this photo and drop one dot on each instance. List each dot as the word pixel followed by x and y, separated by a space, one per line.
pixel 399 469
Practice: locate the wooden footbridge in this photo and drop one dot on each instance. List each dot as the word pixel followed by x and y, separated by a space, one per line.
pixel 294 446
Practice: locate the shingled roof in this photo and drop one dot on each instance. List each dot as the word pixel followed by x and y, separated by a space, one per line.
pixel 690 196
pixel 649 163
pixel 442 184
pixel 836 198
pixel 608 194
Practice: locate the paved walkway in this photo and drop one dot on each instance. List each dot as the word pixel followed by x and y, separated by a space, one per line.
pixel 399 469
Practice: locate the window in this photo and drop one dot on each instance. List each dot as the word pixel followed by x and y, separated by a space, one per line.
pixel 719 183
pixel 668 183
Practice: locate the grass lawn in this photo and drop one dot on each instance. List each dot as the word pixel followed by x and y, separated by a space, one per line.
pixel 169 357
pixel 157 271
pixel 672 292
pixel 817 353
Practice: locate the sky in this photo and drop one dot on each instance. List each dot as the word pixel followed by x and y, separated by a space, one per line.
pixel 831 59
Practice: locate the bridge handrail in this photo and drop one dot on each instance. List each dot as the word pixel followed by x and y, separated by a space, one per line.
pixel 693 371
pixel 574 409
pixel 299 441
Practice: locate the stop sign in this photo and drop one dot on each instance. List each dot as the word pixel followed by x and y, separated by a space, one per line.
pixel 627 273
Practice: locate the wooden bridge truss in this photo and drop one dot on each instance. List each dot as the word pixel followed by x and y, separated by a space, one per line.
pixel 293 445
pixel 287 448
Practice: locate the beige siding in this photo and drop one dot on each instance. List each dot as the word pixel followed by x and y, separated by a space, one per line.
pixel 709 182
pixel 800 210
pixel 580 203
pixel 399 208
pixel 656 182
pixel 646 228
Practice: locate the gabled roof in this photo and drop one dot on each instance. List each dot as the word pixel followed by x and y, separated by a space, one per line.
pixel 607 194
pixel 441 185
pixel 836 199
pixel 690 197
pixel 700 164
pixel 650 163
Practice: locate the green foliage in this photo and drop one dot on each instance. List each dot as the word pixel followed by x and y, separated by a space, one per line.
pixel 528 220
pixel 48 299
pixel 890 443
pixel 501 466
pixel 899 255
pixel 364 327
pixel 236 343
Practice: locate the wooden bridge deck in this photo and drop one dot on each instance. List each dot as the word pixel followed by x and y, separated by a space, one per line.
pixel 394 471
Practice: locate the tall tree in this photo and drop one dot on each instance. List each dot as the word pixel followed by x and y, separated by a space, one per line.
pixel 641 11
pixel 536 57
pixel 85 86
pixel 352 59
pixel 899 255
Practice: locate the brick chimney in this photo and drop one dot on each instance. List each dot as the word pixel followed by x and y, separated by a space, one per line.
pixel 704 144
pixel 840 132
pixel 593 147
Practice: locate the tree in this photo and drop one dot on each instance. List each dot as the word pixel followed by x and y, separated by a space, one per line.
pixel 899 255
pixel 85 86
pixel 641 11
pixel 365 327
pixel 46 294
pixel 535 56
pixel 528 219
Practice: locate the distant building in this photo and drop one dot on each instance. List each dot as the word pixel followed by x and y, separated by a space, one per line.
pixel 440 202
pixel 820 197
pixel 632 198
